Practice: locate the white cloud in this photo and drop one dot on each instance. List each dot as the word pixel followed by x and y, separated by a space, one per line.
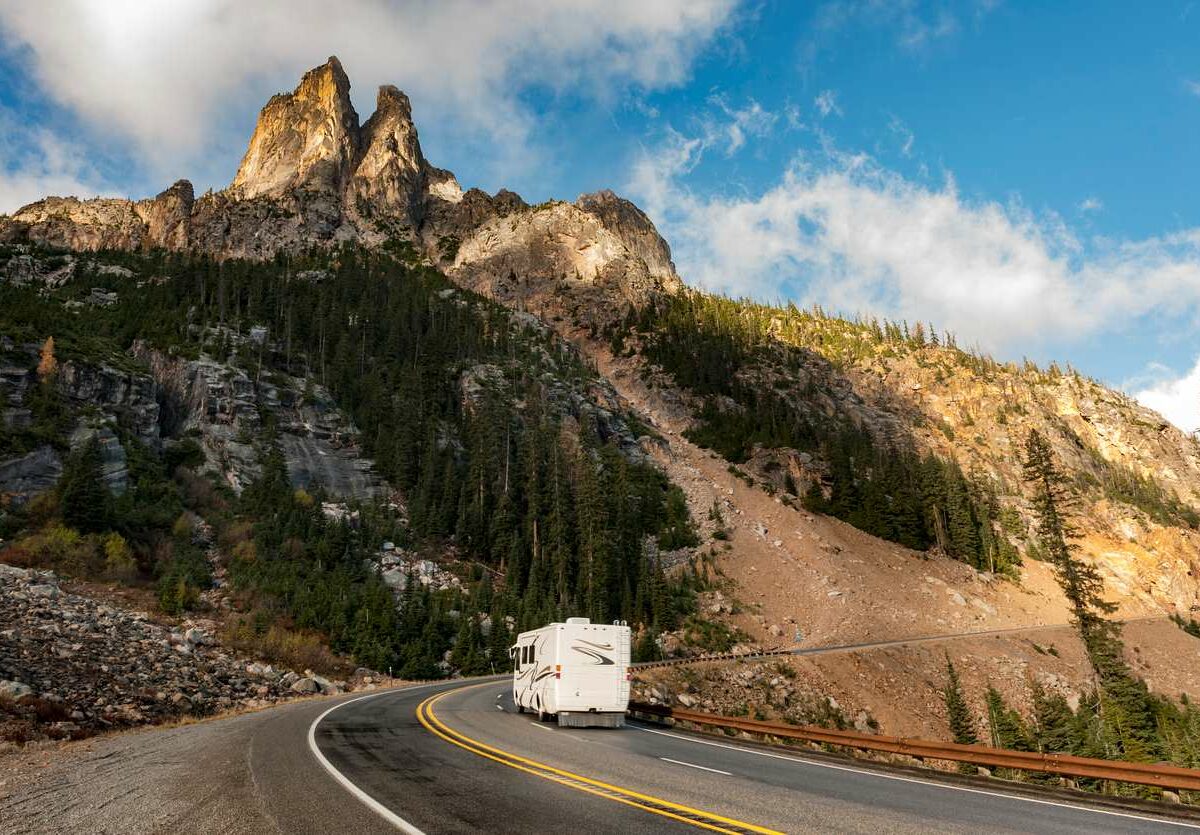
pixel 845 232
pixel 749 121
pixel 1192 86
pixel 826 103
pixel 1176 398
pixel 1091 204
pixel 37 162
pixel 162 73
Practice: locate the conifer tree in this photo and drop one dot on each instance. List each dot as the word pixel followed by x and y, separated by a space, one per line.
pixel 1052 721
pixel 1052 499
pixel 1123 705
pixel 83 498
pixel 1007 728
pixel 962 724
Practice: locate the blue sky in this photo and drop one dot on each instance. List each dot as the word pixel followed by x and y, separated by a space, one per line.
pixel 1022 173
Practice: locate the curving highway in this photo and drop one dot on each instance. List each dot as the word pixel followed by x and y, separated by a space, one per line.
pixel 459 759
pixel 454 757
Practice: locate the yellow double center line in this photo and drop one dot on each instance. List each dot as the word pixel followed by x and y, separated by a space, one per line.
pixel 655 805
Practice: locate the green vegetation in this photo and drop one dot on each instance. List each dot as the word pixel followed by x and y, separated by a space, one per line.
pixel 1121 484
pixel 1188 625
pixel 538 498
pixel 962 724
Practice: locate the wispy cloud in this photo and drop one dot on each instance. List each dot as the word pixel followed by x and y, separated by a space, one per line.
pixel 826 104
pixel 1192 86
pixel 903 134
pixel 916 26
pixel 1176 397
pixel 844 231
pixel 1090 205
pixel 750 120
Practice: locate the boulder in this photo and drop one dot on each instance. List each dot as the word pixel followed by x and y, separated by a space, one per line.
pixel 305 685
pixel 197 636
pixel 14 689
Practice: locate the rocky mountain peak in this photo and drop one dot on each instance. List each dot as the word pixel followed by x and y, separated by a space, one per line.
pixel 389 171
pixel 313 175
pixel 392 98
pixel 308 137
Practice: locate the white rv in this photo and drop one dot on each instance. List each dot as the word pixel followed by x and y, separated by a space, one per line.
pixel 577 671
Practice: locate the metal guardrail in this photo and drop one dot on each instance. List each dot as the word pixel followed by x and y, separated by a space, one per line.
pixel 1064 765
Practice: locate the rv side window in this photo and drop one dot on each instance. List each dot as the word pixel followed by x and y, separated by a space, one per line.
pixel 524 655
pixel 532 651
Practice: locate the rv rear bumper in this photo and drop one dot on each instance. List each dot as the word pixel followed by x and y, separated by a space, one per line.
pixel 588 719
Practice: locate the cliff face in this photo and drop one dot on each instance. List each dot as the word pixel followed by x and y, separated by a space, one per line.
pixel 304 139
pixel 313 175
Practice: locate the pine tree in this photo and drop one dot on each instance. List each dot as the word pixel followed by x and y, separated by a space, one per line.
pixel 1007 728
pixel 82 496
pixel 1053 722
pixel 1052 500
pixel 1123 704
pixel 962 724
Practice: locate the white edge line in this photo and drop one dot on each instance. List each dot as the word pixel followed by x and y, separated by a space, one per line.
pixel 933 783
pixel 693 765
pixel 366 799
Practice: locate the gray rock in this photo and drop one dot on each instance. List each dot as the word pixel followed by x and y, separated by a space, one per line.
pixel 197 636
pixel 305 685
pixel 30 474
pixel 14 689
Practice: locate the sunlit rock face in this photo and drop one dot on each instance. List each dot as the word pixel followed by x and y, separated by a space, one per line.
pixel 304 139
pixel 313 175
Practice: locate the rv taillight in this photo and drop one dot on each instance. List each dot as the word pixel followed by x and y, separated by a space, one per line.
pixel 558 670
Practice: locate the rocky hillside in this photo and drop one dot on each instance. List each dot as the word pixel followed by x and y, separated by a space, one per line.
pixel 314 175
pixel 791 396
pixel 72 666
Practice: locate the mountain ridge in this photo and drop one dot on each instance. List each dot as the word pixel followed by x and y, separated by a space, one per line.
pixel 313 175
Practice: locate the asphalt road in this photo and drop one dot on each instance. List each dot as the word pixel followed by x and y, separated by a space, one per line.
pixel 468 763
pixel 379 744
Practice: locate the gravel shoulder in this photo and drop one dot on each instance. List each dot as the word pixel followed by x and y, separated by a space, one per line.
pixel 247 773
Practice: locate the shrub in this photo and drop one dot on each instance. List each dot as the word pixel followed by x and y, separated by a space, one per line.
pixel 56 547
pixel 281 645
pixel 118 559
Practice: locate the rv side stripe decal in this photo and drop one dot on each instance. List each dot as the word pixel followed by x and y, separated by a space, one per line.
pixel 655 805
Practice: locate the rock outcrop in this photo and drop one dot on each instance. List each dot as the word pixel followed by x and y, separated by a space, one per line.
pixel 303 140
pixel 313 175
pixel 169 399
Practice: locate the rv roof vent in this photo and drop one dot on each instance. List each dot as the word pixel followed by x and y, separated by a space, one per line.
pixel 578 620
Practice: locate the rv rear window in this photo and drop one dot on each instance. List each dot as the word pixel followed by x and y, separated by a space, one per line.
pixel 525 655
pixel 532 653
